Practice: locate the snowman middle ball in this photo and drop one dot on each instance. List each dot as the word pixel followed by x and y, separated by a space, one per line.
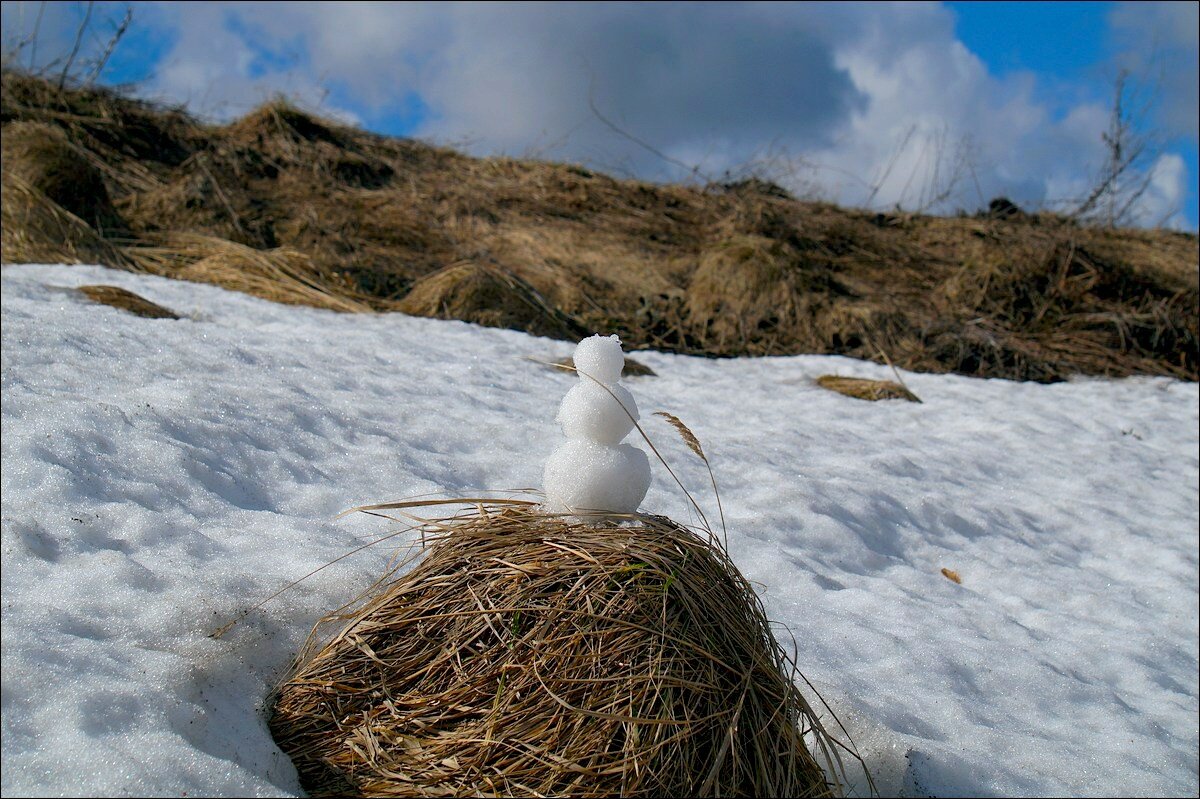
pixel 589 411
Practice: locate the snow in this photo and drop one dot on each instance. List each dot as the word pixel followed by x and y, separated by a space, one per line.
pixel 601 358
pixel 604 414
pixel 159 476
pixel 583 476
pixel 592 470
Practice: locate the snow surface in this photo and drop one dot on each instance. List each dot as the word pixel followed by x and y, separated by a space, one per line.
pixel 161 475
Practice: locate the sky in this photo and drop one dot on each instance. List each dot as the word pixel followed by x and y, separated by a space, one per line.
pixel 934 107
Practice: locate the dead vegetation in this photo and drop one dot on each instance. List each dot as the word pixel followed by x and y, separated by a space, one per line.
pixel 126 300
pixel 860 388
pixel 529 655
pixel 291 207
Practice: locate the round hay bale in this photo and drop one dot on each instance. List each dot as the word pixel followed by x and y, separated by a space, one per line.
pixel 531 655
pixel 487 296
pixel 43 156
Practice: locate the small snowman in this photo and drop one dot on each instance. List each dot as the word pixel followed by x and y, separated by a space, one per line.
pixel 592 472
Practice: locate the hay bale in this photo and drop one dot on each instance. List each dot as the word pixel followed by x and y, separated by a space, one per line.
pixel 487 296
pixel 43 156
pixel 861 388
pixel 529 655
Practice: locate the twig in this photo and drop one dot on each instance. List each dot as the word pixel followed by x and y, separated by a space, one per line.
pixel 112 45
pixel 62 78
pixel 693 169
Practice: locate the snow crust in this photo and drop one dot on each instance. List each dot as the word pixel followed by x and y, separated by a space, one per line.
pixel 159 476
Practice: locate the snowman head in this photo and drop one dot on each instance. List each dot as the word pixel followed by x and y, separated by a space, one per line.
pixel 601 358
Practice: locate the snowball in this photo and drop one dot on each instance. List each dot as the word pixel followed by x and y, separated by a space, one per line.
pixel 600 357
pixel 583 476
pixel 590 411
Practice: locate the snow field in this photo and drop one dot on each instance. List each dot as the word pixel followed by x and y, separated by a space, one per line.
pixel 159 476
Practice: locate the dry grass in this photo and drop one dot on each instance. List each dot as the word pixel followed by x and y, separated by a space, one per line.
pixel 127 301
pixel 35 229
pixel 488 296
pixel 861 388
pixel 45 159
pixel 349 220
pixel 529 655
pixel 282 275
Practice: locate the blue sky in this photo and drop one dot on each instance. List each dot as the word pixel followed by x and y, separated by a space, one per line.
pixel 924 106
pixel 1015 37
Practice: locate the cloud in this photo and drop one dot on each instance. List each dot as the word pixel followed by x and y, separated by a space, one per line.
pixel 522 78
pixel 1162 203
pixel 1159 43
pixel 677 76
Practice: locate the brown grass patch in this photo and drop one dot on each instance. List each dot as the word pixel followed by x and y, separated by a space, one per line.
pixel 127 301
pixel 45 158
pixel 282 275
pixel 861 388
pixel 528 655
pixel 35 229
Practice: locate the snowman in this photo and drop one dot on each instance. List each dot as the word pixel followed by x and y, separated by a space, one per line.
pixel 592 472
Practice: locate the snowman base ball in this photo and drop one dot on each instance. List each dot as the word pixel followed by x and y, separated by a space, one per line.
pixel 585 478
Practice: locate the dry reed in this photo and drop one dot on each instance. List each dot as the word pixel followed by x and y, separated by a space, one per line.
pixel 631 368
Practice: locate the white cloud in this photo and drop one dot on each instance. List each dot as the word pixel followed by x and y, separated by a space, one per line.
pixel 1159 44
pixel 1161 204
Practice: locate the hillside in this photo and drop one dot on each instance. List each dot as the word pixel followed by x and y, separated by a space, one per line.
pixel 299 209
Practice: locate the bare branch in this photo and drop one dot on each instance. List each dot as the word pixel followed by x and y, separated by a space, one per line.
pixel 62 78
pixel 693 169
pixel 1127 171
pixel 33 35
pixel 112 45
